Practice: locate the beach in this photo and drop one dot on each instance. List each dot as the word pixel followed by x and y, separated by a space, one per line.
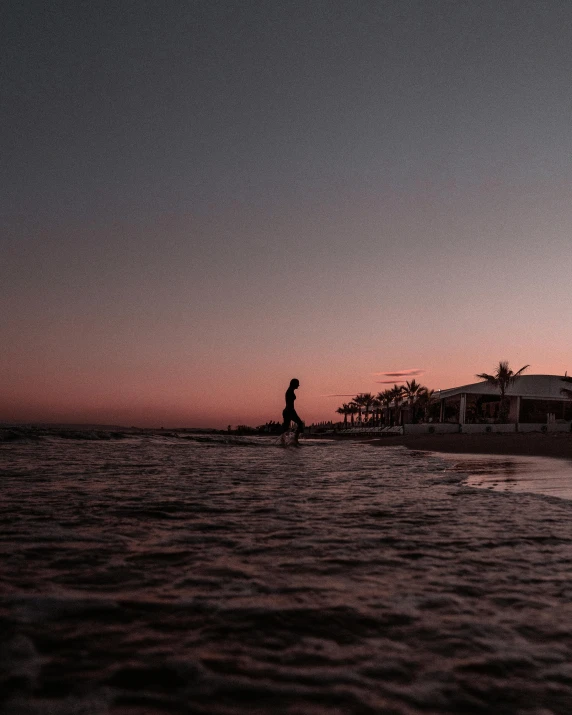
pixel 533 463
pixel 532 444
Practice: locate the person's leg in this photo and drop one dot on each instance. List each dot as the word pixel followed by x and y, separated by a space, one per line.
pixel 286 419
pixel 299 426
pixel 285 426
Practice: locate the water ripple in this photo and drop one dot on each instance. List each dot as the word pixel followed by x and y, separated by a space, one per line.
pixel 181 575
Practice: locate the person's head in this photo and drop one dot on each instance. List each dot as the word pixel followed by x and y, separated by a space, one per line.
pixel 294 384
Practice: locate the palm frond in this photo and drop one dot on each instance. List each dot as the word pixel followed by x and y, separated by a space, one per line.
pixel 489 378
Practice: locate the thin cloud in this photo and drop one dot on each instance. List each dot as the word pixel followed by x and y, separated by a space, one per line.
pixel 414 372
pixel 352 395
pixel 387 382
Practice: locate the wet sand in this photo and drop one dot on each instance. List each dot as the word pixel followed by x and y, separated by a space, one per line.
pixel 533 444
pixel 534 475
pixel 531 462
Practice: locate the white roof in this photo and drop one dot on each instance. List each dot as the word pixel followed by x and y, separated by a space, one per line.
pixel 540 387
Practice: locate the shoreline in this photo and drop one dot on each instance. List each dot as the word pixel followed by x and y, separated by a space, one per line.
pixel 531 444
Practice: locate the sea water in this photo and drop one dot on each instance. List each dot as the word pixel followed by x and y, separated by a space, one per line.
pixel 182 574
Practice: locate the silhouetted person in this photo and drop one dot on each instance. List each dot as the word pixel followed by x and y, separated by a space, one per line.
pixel 289 414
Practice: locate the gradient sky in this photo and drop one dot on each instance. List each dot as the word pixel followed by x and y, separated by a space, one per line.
pixel 203 199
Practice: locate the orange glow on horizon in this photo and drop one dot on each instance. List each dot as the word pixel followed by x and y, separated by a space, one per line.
pixel 182 405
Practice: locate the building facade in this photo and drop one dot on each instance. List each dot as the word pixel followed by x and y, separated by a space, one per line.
pixel 533 399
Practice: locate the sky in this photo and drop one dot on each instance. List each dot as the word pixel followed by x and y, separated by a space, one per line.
pixel 202 200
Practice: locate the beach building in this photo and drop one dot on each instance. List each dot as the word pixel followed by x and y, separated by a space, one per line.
pixel 535 403
pixel 533 399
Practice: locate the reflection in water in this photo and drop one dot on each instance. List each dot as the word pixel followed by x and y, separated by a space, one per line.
pixel 536 475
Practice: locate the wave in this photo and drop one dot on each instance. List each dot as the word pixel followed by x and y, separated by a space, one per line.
pixel 217 574
pixel 37 434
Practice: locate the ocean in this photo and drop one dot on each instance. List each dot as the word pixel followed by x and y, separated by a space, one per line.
pixel 158 574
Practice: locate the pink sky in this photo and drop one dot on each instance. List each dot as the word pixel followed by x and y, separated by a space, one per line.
pixel 131 340
pixel 326 193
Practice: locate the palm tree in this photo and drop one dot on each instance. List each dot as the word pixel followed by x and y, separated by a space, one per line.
pixel 396 395
pixel 502 378
pixel 386 398
pixel 359 404
pixel 343 411
pixel 426 400
pixel 376 409
pixel 352 410
pixel 365 400
pixel 412 391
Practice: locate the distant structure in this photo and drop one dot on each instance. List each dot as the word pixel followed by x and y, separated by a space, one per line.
pixel 532 399
pixel 535 403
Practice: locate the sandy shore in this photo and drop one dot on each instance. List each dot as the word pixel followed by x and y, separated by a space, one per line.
pixel 534 444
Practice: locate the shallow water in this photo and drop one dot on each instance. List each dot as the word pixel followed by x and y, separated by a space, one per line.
pixel 218 575
pixel 536 475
